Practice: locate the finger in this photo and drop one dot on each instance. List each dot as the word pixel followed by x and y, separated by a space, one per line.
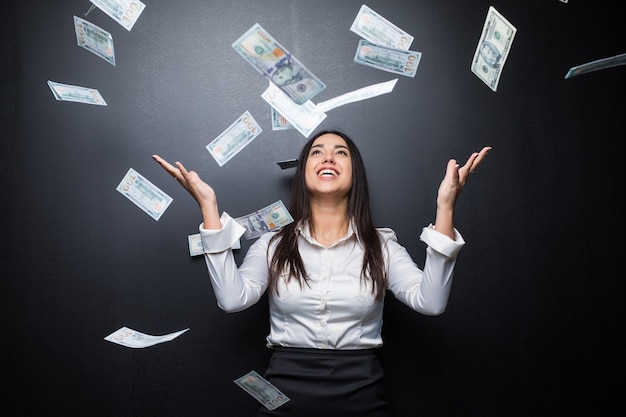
pixel 480 156
pixel 165 165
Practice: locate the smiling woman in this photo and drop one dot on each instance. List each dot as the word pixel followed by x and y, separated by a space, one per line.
pixel 326 275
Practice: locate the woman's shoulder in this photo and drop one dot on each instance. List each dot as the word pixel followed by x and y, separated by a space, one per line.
pixel 386 234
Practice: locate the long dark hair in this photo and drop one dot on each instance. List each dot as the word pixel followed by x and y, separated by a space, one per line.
pixel 287 259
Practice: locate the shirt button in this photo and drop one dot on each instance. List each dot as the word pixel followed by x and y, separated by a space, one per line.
pixel 323 323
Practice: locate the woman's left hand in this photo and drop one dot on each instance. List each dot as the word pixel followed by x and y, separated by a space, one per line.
pixel 456 177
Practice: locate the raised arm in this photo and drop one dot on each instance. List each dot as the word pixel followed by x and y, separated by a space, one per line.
pixel 453 182
pixel 202 192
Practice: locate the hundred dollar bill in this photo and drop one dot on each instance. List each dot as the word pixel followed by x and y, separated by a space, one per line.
pixel 66 92
pixel 124 12
pixel 265 220
pixel 132 338
pixel 94 39
pixel 262 51
pixel 196 248
pixel 144 194
pixel 236 137
pixel 596 65
pixel 374 28
pixel 396 61
pixel 288 163
pixel 493 48
pixel 303 117
pixel 262 390
pixel 357 95
pixel 278 121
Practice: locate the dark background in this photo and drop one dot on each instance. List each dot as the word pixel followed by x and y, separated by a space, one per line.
pixel 535 319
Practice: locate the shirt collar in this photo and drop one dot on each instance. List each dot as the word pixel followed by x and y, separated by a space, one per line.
pixel 304 229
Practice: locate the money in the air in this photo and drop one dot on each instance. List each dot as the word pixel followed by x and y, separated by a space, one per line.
pixel 262 390
pixel 236 137
pixel 265 220
pixel 372 27
pixel 396 61
pixel 493 48
pixel 67 92
pixel 94 39
pixel 124 12
pixel 132 338
pixel 144 194
pixel 269 58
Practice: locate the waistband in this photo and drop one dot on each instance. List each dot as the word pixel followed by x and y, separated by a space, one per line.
pixel 333 352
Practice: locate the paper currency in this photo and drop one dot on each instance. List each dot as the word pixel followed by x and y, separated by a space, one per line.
pixel 396 61
pixel 357 95
pixel 236 137
pixel 263 391
pixel 94 39
pixel 196 248
pixel 493 48
pixel 66 92
pixel 303 117
pixel 596 65
pixel 374 28
pixel 124 12
pixel 288 163
pixel 265 220
pixel 278 121
pixel 276 63
pixel 132 338
pixel 144 194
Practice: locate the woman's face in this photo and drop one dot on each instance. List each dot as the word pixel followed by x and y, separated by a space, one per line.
pixel 328 169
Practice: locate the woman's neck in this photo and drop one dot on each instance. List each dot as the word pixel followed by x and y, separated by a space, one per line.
pixel 329 222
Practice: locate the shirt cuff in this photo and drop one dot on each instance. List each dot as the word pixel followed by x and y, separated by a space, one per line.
pixel 442 243
pixel 219 240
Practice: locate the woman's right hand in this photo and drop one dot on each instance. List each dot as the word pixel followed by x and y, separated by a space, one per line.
pixel 202 192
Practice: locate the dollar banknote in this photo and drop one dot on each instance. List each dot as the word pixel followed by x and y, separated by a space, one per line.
pixel 144 194
pixel 396 61
pixel 196 248
pixel 288 163
pixel 94 39
pixel 124 12
pixel 132 338
pixel 278 121
pixel 493 48
pixel 265 54
pixel 67 92
pixel 236 137
pixel 265 220
pixel 303 117
pixel 372 27
pixel 596 65
pixel 262 390
pixel 363 93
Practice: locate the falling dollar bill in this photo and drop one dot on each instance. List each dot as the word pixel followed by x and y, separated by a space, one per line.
pixel 373 27
pixel 124 12
pixel 363 93
pixel 134 339
pixel 196 248
pixel 493 48
pixel 262 390
pixel 303 117
pixel 66 92
pixel 278 121
pixel 94 39
pixel 265 220
pixel 144 194
pixel 262 51
pixel 596 65
pixel 236 137
pixel 396 61
pixel 288 163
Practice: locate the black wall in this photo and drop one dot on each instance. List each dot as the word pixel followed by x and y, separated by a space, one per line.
pixel 535 316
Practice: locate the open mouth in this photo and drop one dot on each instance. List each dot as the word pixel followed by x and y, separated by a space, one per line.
pixel 327 173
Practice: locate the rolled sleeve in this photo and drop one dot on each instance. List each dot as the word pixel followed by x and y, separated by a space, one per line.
pixel 219 240
pixel 442 243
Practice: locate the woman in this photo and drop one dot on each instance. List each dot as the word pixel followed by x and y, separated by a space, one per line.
pixel 326 275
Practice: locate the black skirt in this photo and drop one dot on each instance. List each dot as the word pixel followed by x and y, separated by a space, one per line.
pixel 327 383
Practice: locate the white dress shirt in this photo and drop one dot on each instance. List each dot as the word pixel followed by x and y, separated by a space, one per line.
pixel 337 310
